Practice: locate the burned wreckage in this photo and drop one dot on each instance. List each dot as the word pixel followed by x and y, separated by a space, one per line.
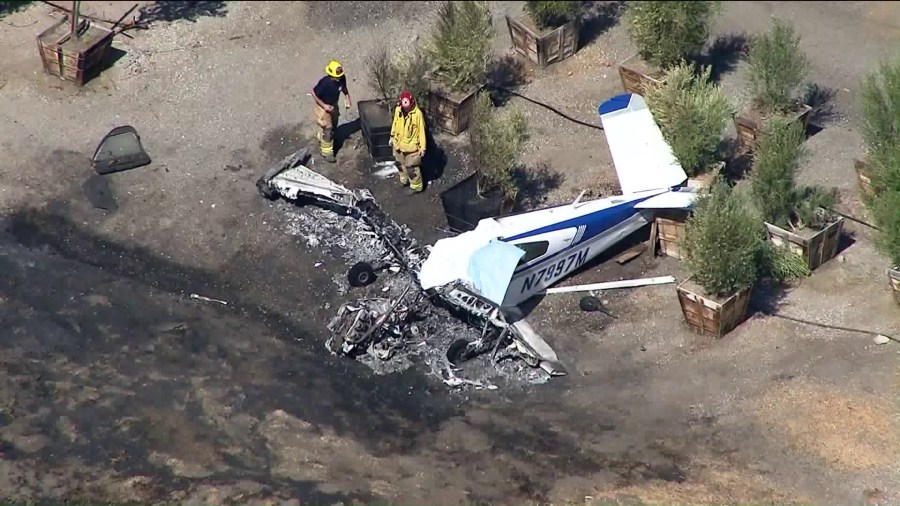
pixel 482 275
pixel 375 324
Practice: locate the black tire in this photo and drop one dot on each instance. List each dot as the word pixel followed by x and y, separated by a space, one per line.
pixel 265 190
pixel 361 274
pixel 458 352
pixel 589 304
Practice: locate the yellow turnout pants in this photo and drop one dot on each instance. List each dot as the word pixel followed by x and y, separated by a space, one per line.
pixel 327 123
pixel 409 166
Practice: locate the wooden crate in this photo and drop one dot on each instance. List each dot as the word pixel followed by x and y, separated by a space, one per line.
pixel 451 112
pixel 816 250
pixel 670 230
pixel 705 179
pixel 710 317
pixel 749 124
pixel 864 173
pixel 542 48
pixel 636 74
pixel 894 279
pixel 77 58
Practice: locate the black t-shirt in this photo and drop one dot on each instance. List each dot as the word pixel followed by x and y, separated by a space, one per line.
pixel 329 90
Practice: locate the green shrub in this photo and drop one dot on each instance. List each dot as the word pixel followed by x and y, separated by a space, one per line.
pixel 811 207
pixel 461 44
pixel 880 100
pixel 777 67
pixel 667 32
pixel 691 112
pixel 773 184
pixel 495 143
pixel 722 242
pixel 779 151
pixel 886 211
pixel 552 14
pixel 781 264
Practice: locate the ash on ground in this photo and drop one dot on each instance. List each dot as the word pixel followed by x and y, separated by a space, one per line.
pixel 325 231
pixel 432 330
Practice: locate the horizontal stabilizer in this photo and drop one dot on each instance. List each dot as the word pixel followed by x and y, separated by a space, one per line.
pixel 643 159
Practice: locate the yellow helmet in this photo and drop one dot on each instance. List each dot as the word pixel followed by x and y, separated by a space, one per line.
pixel 334 69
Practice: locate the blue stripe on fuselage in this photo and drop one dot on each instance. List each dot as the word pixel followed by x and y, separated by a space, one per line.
pixel 595 223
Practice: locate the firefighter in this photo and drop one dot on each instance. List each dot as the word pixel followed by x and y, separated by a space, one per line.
pixel 408 141
pixel 326 94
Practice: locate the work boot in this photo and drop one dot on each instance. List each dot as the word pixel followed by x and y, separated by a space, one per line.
pixel 410 191
pixel 330 158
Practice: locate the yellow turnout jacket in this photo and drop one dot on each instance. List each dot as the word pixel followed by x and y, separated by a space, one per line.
pixel 408 131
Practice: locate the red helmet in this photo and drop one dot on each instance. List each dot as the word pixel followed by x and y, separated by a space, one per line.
pixel 407 102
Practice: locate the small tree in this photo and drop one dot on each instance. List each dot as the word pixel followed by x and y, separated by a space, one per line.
pixel 666 32
pixel 779 153
pixel 778 67
pixel 382 73
pixel 773 185
pixel 495 143
pixel 723 242
pixel 389 77
pixel 880 99
pixel 691 112
pixel 461 44
pixel 552 14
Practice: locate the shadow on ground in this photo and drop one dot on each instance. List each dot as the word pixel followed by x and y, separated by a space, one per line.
pixel 176 10
pixel 723 54
pixel 7 8
pixel 535 184
pixel 738 161
pixel 821 99
pixel 598 17
pixel 504 75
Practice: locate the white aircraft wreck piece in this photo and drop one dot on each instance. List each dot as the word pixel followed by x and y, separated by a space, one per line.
pixel 557 241
pixel 611 285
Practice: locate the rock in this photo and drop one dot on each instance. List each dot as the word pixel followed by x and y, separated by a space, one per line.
pixel 880 339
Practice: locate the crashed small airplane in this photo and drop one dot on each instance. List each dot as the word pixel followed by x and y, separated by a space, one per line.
pixel 487 272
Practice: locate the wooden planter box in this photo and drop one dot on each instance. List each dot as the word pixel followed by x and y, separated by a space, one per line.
pixel 749 122
pixel 705 179
pixel 670 230
pixel 77 58
pixel 708 316
pixel 894 279
pixel 375 122
pixel 636 74
pixel 464 208
pixel 540 47
pixel 816 250
pixel 450 111
pixel 864 173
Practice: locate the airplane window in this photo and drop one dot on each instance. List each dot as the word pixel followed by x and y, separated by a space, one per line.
pixel 533 250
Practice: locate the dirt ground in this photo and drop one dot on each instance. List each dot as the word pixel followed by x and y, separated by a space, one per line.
pixel 118 386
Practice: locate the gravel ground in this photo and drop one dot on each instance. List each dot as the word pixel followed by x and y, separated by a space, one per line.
pixel 120 386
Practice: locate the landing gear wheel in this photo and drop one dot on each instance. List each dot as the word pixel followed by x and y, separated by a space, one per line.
pixel 458 352
pixel 361 274
pixel 589 304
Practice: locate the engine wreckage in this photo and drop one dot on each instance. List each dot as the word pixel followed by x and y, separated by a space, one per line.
pixel 378 326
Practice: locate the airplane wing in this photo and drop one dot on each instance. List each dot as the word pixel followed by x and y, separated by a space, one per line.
pixel 643 159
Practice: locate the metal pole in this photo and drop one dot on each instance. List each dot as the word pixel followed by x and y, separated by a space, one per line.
pixel 75 5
